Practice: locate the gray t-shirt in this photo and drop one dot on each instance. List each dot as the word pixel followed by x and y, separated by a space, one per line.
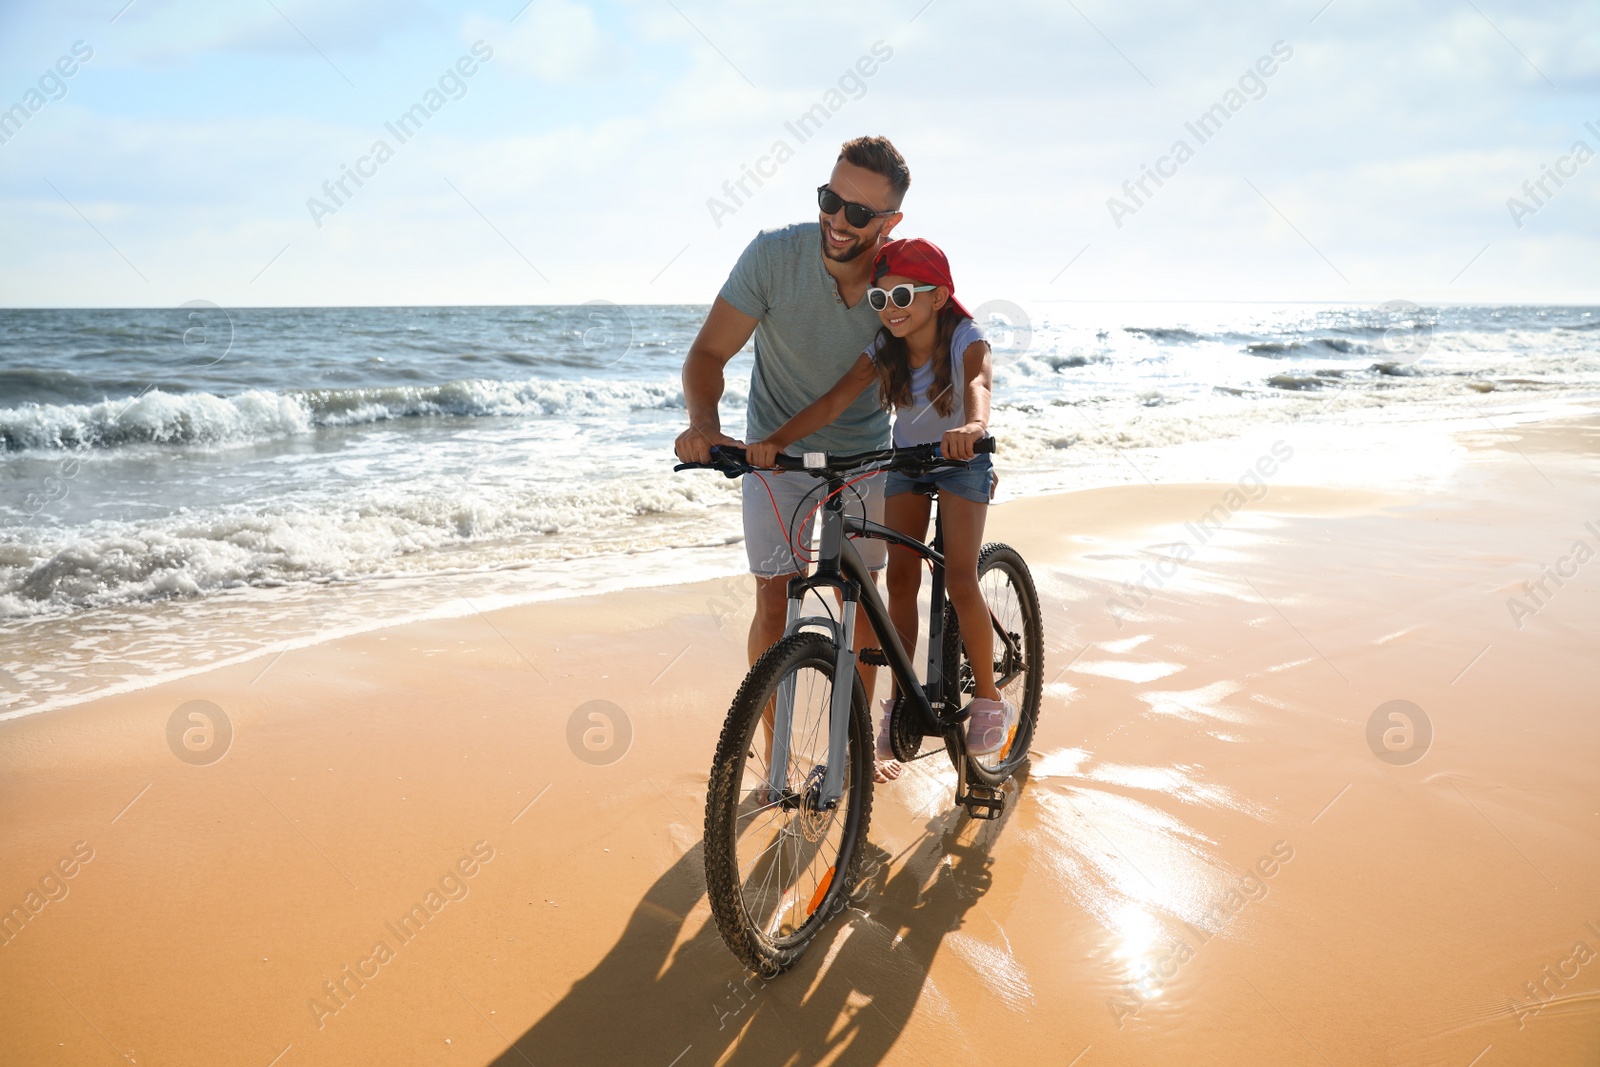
pixel 806 340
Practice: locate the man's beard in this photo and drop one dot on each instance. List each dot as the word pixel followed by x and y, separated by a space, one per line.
pixel 861 245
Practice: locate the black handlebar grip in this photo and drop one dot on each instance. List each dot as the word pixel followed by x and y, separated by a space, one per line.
pixel 984 445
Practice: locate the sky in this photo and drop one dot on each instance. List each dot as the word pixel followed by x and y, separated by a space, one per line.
pixel 1357 151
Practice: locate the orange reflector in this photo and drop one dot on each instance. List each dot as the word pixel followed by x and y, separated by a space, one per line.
pixel 1005 749
pixel 822 890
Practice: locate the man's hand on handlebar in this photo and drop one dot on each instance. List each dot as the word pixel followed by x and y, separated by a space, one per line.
pixel 762 454
pixel 694 444
pixel 958 444
pixel 734 459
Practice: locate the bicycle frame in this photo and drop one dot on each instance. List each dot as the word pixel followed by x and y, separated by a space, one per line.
pixel 839 567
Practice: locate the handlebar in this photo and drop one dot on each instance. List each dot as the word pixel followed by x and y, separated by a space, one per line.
pixel 730 460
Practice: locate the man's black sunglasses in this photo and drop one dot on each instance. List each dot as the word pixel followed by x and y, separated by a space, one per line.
pixel 857 215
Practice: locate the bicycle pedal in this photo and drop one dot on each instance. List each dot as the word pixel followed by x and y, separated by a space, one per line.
pixel 873 657
pixel 983 802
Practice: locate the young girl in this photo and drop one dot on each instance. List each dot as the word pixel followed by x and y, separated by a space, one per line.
pixel 931 366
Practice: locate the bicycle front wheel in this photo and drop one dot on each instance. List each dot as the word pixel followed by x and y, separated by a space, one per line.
pixel 781 859
pixel 1008 590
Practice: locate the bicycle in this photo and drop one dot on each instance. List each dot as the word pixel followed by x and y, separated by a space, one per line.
pixel 771 880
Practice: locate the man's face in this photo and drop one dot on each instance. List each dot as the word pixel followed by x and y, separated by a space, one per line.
pixel 843 242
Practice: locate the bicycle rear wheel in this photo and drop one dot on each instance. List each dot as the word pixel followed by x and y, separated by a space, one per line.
pixel 1008 590
pixel 780 864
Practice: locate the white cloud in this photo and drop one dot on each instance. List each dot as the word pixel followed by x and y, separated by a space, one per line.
pixel 594 138
pixel 557 41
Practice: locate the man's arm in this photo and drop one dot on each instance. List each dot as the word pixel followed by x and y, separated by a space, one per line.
pixel 723 334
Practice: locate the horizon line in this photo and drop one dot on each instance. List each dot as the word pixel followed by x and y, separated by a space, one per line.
pixel 588 303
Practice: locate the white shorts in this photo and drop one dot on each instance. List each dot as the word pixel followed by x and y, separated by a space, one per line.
pixel 767 541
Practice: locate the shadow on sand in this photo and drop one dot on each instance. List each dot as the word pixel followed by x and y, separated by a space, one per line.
pixel 848 1000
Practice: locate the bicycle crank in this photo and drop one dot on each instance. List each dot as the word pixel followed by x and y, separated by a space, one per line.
pixel 984 803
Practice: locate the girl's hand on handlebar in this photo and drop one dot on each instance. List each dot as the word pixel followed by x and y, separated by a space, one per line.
pixel 761 454
pixel 958 444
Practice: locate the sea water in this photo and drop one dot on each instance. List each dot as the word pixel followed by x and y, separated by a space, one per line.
pixel 181 488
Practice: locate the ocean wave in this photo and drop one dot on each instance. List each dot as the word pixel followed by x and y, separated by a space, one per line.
pixel 379 533
pixel 159 417
pixel 1035 440
pixel 1074 359
pixel 1393 369
pixel 1275 349
pixel 1296 381
pixel 1312 346
pixel 1099 429
pixel 1167 334
pixel 1042 365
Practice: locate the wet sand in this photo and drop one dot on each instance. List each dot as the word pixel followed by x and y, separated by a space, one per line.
pixel 1215 857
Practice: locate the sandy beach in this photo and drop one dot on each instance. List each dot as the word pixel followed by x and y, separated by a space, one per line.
pixel 1226 848
pixel 364 655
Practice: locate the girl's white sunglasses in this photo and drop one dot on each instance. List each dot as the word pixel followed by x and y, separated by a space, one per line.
pixel 902 295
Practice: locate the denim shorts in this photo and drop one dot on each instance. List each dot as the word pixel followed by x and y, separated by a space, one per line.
pixel 972 482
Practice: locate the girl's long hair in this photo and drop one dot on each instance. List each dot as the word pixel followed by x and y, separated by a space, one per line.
pixel 894 367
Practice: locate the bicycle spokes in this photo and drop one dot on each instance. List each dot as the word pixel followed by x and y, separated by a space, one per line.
pixel 777 844
pixel 1008 592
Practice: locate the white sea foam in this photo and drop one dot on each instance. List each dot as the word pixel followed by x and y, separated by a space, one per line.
pixel 376 533
pixel 178 504
pixel 157 417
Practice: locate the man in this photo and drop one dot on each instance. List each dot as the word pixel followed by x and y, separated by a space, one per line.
pixel 801 290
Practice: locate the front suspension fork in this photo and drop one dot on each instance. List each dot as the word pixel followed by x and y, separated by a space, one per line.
pixel 843 633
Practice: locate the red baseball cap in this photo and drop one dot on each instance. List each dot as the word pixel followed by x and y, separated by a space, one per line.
pixel 921 261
